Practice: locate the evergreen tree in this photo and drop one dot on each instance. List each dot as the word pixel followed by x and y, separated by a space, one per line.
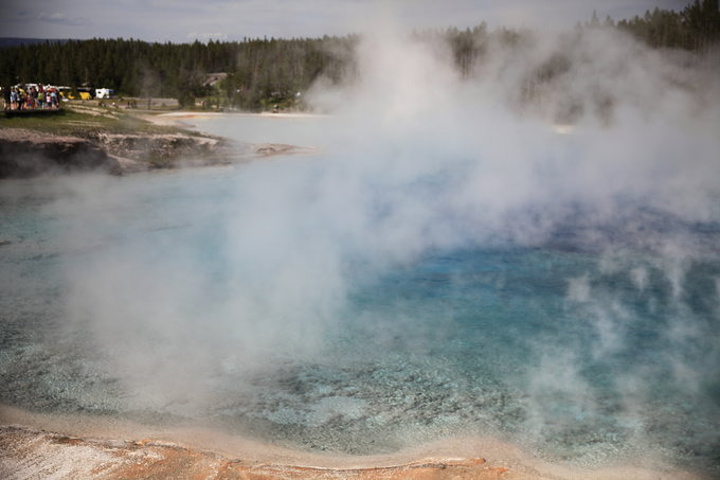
pixel 264 72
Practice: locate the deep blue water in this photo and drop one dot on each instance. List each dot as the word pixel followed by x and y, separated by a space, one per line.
pixel 247 298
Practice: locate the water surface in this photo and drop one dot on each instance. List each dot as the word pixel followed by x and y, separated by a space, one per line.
pixel 333 303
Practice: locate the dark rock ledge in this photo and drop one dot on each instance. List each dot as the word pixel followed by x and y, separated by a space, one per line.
pixel 25 153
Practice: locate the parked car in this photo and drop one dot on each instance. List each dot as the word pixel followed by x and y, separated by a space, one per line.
pixel 104 93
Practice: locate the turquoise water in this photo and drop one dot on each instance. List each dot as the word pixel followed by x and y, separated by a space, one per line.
pixel 277 300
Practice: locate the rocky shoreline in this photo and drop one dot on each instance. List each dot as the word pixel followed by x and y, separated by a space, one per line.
pixel 26 153
pixel 140 152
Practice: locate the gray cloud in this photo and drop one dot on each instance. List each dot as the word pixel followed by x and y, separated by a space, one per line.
pixel 63 19
pixel 204 36
pixel 163 20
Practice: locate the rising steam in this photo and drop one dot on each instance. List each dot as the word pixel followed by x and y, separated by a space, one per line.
pixel 419 157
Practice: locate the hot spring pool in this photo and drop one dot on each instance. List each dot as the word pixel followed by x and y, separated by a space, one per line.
pixel 362 304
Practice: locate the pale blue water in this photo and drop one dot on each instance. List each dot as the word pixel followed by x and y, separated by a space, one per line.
pixel 255 299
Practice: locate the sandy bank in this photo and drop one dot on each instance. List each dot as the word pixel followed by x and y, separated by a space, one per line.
pixel 70 446
pixel 247 151
pixel 165 117
pixel 182 118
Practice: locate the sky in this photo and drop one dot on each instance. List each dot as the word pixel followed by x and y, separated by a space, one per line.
pixel 181 21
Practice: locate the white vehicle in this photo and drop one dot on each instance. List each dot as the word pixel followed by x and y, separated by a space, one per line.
pixel 104 93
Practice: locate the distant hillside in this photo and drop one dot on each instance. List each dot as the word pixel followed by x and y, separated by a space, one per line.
pixel 6 42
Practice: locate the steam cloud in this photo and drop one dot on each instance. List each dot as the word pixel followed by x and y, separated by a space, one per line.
pixel 417 158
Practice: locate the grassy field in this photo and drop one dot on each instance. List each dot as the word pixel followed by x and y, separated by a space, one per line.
pixel 88 120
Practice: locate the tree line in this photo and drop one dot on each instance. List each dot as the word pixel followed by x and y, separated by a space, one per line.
pixel 265 72
pixel 696 27
pixel 259 69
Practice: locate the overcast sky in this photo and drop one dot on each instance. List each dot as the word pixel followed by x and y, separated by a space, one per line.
pixel 187 20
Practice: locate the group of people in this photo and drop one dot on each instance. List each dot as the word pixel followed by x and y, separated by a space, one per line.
pixel 31 97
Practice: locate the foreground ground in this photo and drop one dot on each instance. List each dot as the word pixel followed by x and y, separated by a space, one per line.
pixel 30 453
pixel 36 446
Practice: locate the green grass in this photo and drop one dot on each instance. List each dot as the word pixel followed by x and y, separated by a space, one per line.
pixel 88 121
